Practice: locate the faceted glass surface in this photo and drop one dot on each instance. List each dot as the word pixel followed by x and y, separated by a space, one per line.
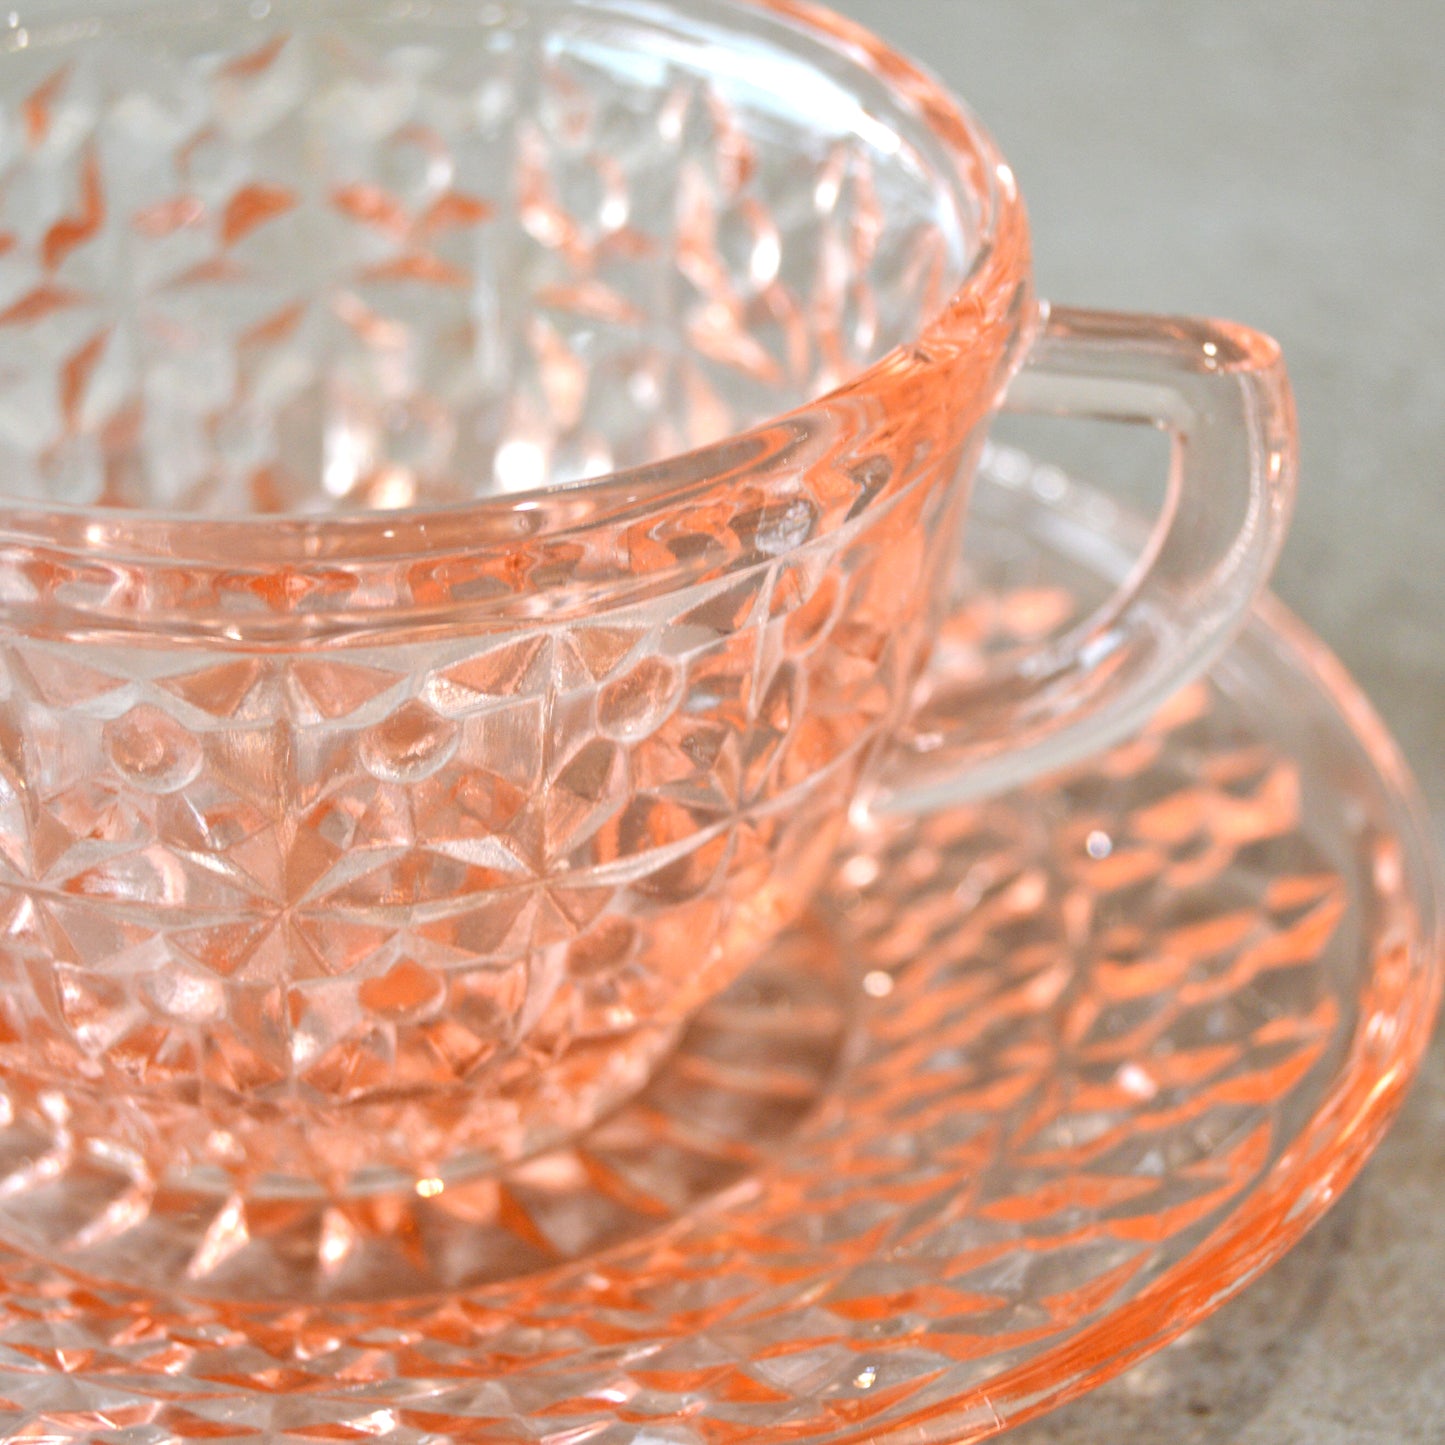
pixel 396 839
pixel 1116 1042
pixel 353 918
pixel 317 257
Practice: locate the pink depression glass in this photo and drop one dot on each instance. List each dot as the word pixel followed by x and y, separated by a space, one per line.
pixel 480 481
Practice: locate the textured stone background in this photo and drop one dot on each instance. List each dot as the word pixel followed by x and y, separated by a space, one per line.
pixel 1283 164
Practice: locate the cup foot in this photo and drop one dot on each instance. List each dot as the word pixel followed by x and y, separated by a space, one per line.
pixel 743 1075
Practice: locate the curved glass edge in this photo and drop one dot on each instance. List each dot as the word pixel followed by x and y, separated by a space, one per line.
pixel 1382 1057
pixel 992 301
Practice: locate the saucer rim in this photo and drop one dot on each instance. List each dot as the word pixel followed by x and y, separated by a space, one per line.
pixel 1322 1158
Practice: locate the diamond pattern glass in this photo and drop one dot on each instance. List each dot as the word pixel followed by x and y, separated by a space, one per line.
pixel 479 484
pixel 1117 1041
pixel 401 849
pixel 337 257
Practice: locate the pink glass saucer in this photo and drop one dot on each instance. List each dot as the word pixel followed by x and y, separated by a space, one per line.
pixel 1046 1081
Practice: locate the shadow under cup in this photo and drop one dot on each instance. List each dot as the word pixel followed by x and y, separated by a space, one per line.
pixel 374 806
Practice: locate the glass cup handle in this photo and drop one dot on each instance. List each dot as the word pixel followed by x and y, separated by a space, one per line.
pixel 1221 392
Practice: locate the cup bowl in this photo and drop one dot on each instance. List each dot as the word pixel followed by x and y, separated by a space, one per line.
pixel 479 480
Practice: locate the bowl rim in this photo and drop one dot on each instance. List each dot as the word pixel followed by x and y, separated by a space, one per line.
pixel 987 315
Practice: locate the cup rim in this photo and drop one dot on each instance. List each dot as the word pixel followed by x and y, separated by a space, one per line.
pixel 1000 256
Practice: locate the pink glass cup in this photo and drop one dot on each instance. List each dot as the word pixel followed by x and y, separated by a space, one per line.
pixel 481 483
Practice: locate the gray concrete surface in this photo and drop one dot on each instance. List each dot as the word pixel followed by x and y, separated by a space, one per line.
pixel 1284 164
